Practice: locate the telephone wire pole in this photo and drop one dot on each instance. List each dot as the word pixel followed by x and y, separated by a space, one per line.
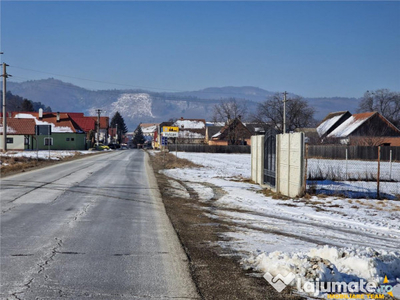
pixel 5 76
pixel 98 126
pixel 284 111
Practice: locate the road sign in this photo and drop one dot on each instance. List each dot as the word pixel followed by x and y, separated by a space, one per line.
pixel 170 129
pixel 170 134
pixel 164 141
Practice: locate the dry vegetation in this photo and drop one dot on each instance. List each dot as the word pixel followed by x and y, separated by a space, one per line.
pixel 13 165
pixel 170 161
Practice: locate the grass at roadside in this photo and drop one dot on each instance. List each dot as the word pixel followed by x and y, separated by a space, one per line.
pixel 11 165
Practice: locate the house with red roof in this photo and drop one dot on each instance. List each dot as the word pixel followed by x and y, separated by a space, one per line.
pixel 103 128
pixel 363 129
pixel 66 134
pixel 20 133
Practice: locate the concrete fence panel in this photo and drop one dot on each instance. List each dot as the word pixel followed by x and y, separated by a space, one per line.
pixel 290 164
pixel 257 158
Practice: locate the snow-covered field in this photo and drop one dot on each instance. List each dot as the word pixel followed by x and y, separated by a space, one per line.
pixel 329 239
pixel 44 154
pixel 354 178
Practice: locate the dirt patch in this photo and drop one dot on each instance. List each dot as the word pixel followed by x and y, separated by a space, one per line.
pixel 216 272
pixel 170 161
pixel 14 165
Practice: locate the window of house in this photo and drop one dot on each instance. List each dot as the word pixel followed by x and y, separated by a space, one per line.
pixel 48 141
pixel 72 139
pixel 10 140
pixel 67 139
pixel 26 141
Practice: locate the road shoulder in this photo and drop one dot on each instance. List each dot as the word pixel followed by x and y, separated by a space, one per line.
pixel 217 273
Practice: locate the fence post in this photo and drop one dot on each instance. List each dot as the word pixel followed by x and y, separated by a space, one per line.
pixel 379 171
pixel 390 165
pixel 305 169
pixel 346 163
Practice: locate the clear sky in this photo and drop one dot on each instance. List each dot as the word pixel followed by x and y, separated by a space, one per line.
pixel 313 49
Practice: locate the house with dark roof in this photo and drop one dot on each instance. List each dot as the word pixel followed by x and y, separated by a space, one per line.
pixel 368 129
pixel 233 133
pixel 20 133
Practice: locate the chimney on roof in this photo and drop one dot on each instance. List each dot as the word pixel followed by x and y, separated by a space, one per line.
pixel 40 113
pixel 9 114
pixel 58 116
pixel 181 118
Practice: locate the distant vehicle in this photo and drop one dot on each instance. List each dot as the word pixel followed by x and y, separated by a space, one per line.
pixel 102 147
pixel 114 146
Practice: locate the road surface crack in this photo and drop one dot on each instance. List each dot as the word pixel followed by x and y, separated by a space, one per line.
pixel 54 251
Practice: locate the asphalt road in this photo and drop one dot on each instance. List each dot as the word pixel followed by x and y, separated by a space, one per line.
pixel 90 228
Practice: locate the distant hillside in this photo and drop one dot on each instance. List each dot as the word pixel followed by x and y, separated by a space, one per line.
pixel 143 106
pixel 18 103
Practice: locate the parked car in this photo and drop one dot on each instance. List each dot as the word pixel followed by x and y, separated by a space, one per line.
pixel 114 146
pixel 102 147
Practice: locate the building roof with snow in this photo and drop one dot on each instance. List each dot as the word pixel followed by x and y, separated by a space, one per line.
pixel 234 131
pixel 367 124
pixel 18 126
pixel 149 128
pixel 191 128
pixel 190 123
pixel 60 122
pixel 331 122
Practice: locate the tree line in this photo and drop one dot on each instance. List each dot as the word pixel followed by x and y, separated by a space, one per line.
pixel 299 114
pixel 18 103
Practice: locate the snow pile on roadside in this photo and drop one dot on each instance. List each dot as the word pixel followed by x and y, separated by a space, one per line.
pixel 44 154
pixel 330 264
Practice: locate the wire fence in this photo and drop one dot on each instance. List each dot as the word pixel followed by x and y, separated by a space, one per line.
pixel 209 148
pixel 353 172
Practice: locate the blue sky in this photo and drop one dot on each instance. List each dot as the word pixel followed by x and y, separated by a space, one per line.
pixel 314 49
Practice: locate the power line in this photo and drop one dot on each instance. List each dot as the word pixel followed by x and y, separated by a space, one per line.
pixel 119 84
pixel 98 81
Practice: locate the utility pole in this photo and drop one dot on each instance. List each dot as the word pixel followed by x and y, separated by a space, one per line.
pixel 5 76
pixel 98 127
pixel 284 111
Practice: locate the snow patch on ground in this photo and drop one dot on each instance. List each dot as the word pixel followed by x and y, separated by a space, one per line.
pixel 360 238
pixel 178 189
pixel 205 193
pixel 44 154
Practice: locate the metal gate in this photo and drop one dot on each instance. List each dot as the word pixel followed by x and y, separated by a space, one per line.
pixel 270 157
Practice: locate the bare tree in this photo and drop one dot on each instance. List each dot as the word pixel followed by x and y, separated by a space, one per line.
pixel 385 102
pixel 298 113
pixel 229 109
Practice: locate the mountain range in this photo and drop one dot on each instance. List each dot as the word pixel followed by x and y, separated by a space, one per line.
pixel 138 106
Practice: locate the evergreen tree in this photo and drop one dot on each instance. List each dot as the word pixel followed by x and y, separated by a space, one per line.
pixel 27 105
pixel 117 119
pixel 139 138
